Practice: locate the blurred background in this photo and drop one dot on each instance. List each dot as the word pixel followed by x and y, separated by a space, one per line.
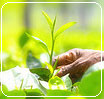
pixel 21 18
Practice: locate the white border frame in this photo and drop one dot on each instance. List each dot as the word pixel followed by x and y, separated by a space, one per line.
pixel 52 2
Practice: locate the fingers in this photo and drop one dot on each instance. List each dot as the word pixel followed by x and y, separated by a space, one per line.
pixel 76 68
pixel 67 58
pixel 79 66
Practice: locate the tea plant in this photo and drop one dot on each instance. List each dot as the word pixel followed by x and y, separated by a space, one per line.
pixel 54 36
pixel 34 82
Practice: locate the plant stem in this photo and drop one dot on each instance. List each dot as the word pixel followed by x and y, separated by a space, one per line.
pixel 53 41
pixel 52 52
pixel 52 46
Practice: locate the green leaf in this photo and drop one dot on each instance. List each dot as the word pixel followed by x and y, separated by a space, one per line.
pixel 49 67
pixel 75 88
pixel 17 75
pixel 42 72
pixel 33 92
pixel 56 83
pixel 56 71
pixel 67 81
pixel 95 67
pixel 38 41
pixel 90 85
pixel 59 93
pixel 63 28
pixel 23 40
pixel 48 19
pixel 8 62
pixel 32 62
pixel 16 93
pixel 53 26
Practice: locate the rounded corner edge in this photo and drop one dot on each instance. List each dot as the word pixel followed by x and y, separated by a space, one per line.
pixel 4 5
pixel 98 5
pixel 99 93
pixel 3 93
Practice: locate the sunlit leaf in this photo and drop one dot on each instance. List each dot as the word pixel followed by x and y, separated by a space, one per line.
pixel 56 71
pixel 49 67
pixel 63 28
pixel 67 81
pixel 53 26
pixel 17 75
pixel 45 84
pixel 38 41
pixel 56 83
pixel 48 19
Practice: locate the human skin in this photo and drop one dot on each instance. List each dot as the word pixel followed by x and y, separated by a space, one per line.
pixel 76 62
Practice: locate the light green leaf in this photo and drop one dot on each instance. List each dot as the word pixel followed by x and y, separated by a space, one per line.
pixel 67 81
pixel 16 93
pixel 49 67
pixel 56 83
pixel 48 19
pixel 53 26
pixel 38 41
pixel 63 28
pixel 18 76
pixel 32 62
pixel 91 84
pixel 56 71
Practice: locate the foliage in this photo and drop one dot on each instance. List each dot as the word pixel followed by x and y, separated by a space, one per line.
pixel 38 81
pixel 43 44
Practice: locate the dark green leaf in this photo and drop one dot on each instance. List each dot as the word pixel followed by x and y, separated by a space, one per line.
pixel 23 40
pixel 33 92
pixel 42 72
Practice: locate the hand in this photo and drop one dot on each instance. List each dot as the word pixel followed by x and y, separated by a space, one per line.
pixel 76 62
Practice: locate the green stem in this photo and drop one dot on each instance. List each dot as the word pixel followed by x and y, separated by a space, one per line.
pixel 53 41
pixel 52 52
